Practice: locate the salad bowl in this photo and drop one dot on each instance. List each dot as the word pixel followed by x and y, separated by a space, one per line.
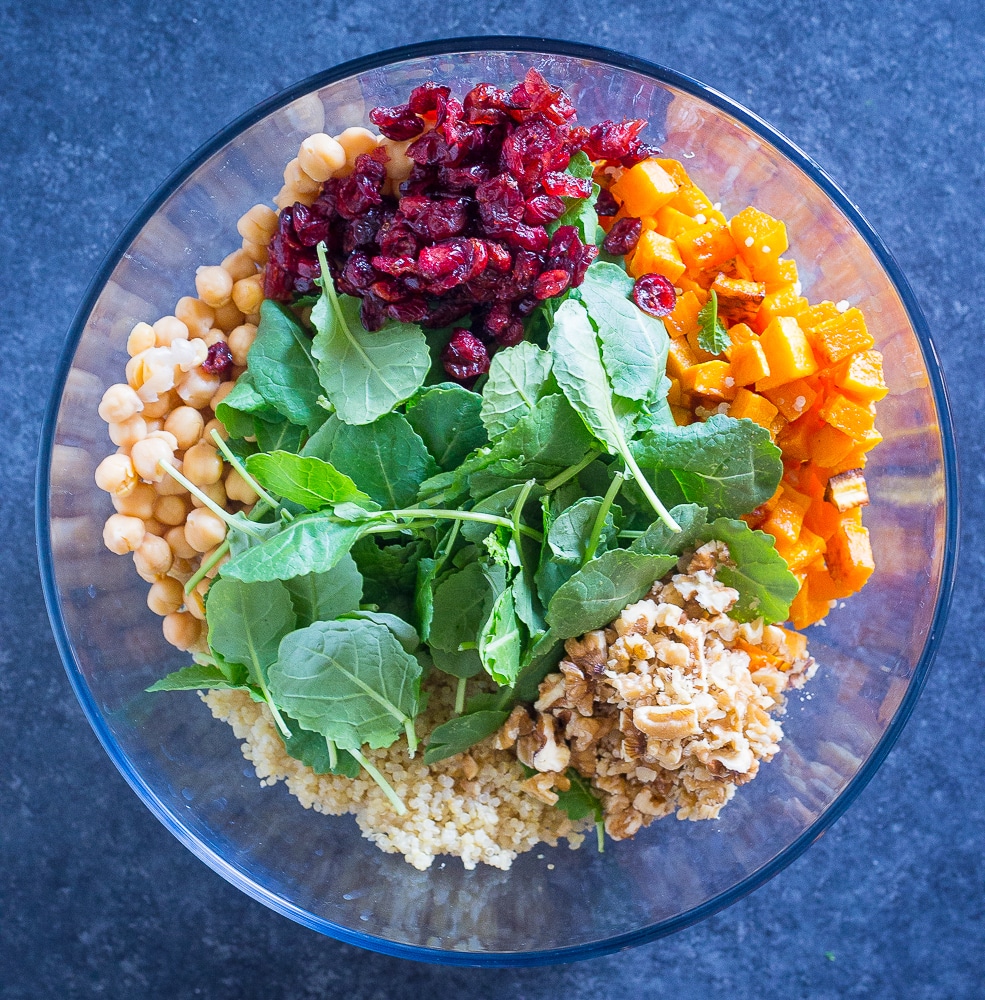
pixel 554 904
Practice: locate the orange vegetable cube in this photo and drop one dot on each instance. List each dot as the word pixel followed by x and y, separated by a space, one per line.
pixel 656 254
pixel 738 333
pixel 796 439
pixel 684 317
pixel 813 315
pixel 676 170
pixel 748 404
pixel 760 238
pixel 671 222
pixel 775 275
pixel 711 379
pixel 680 358
pixel 861 377
pixel 822 518
pixel 849 557
pixel 793 399
pixel 682 415
pixel 822 587
pixel 783 301
pixel 805 609
pixel 846 334
pixel 828 446
pixel 787 351
pixel 691 200
pixel 786 519
pixel 749 362
pixel 688 284
pixel 706 246
pixel 804 551
pixel 674 395
pixel 851 418
pixel 644 189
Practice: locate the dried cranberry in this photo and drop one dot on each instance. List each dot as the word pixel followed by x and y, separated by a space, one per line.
pixel 424 98
pixel 436 218
pixel 538 95
pixel 558 183
pixel 623 236
pixel 542 209
pixel 501 204
pixel 430 148
pixel 512 333
pixel 551 283
pixel 611 140
pixel 358 271
pixel 219 361
pixel 605 203
pixel 413 310
pixel 465 356
pixel 654 294
pixel 398 123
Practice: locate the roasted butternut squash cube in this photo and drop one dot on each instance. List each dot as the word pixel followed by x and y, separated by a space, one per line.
pixel 706 246
pixel 747 404
pixel 676 170
pixel 847 416
pixel 849 557
pixel 761 239
pixel 680 358
pixel 749 362
pixel 656 254
pixel 792 399
pixel 644 189
pixel 684 318
pixel 860 377
pixel 782 302
pixel 710 379
pixel 835 339
pixel 814 315
pixel 691 200
pixel 670 222
pixel 829 446
pixel 787 351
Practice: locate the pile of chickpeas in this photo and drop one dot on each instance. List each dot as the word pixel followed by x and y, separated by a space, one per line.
pixel 165 411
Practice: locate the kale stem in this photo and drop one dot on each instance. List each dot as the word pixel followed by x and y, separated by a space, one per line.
pixel 647 489
pixel 460 695
pixel 467 515
pixel 241 469
pixel 631 534
pixel 411 736
pixel 600 836
pixel 562 477
pixel 595 537
pixel 203 570
pixel 384 785
pixel 333 754
pixel 517 514
pixel 207 501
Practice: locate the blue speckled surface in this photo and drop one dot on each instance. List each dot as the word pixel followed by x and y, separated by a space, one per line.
pixel 98 103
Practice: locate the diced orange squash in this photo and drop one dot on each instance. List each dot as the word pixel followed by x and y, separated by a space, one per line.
pixel 688 284
pixel 783 301
pixel 738 333
pixel 861 378
pixel 748 404
pixel 711 379
pixel 749 362
pixel 797 438
pixel 700 354
pixel 806 478
pixel 742 269
pixel 796 644
pixel 847 416
pixel 828 446
pixel 788 353
pixel 822 587
pixel 707 246
pixel 856 458
pixel 680 358
pixel 761 239
pixel 682 415
pixel 676 170
pixel 671 223
pixel 674 395
pixel 644 189
pixel 805 609
pixel 684 317
pixel 793 399
pixel 787 518
pixel 803 552
pixel 813 315
pixel 849 557
pixel 837 338
pixel 656 254
pixel 738 292
pixel 781 272
pixel 691 200
pixel 822 518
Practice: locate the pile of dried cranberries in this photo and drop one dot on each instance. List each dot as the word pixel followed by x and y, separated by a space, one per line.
pixel 468 235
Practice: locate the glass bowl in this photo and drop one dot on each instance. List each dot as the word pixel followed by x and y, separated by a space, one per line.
pixel 554 904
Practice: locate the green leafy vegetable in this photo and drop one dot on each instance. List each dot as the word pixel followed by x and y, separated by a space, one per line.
pixel 500 641
pixel 518 378
pixel 199 677
pixel 308 481
pixel 457 735
pixel 448 421
pixel 756 570
pixel 658 539
pixel 320 597
pixel 712 335
pixel 314 751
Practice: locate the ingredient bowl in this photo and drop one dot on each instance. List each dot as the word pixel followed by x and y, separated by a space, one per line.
pixel 555 904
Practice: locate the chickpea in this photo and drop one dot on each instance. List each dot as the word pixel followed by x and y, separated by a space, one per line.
pixel 237 488
pixel 186 424
pixel 129 432
pixel 258 224
pixel 169 328
pixel 166 596
pixel 196 388
pixel 220 394
pixel 213 572
pixel 171 510
pixel 116 474
pixel 228 317
pixel 356 141
pixel 195 605
pixel 321 156
pixel 399 165
pixel 175 537
pixel 155 554
pixel 239 264
pixel 214 285
pixel 214 336
pixel 240 341
pixel 197 315
pixel 122 534
pixel 295 177
pixel 203 529
pixel 248 293
pixel 258 251
pixel 169 486
pixel 148 453
pixel 138 503
pixel 202 464
pixel 181 629
pixel 162 406
pixel 120 402
pixel 216 492
pixel 183 569
pixel 216 425
pixel 154 527
pixel 141 337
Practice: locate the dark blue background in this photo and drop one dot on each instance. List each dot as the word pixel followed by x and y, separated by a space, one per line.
pixel 98 103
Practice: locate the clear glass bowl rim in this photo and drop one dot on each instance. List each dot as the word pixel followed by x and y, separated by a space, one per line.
pixel 618 60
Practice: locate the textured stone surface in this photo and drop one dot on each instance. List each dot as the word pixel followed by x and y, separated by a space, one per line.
pixel 98 104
